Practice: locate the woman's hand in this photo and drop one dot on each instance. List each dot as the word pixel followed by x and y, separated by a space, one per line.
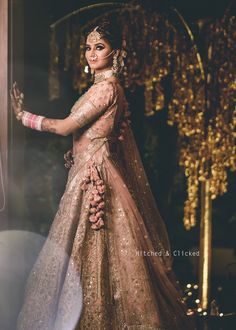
pixel 68 156
pixel 17 98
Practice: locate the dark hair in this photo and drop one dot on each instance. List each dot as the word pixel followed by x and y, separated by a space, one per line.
pixel 109 31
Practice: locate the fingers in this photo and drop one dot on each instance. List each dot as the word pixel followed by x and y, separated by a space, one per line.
pixel 17 98
pixel 16 92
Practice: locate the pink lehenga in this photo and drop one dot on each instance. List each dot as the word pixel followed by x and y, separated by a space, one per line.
pixel 109 226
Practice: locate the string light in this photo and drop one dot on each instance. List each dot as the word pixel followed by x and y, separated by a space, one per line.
pixel 194 304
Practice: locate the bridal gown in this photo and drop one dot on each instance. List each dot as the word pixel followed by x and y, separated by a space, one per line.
pixel 119 258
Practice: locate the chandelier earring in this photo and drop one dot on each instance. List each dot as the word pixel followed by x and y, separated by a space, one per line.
pixel 88 70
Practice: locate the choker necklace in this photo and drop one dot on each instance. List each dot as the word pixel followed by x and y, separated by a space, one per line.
pixel 98 77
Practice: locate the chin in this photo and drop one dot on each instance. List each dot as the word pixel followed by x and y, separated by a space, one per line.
pixel 96 67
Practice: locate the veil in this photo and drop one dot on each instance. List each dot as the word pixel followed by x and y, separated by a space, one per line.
pixel 138 185
pixel 167 288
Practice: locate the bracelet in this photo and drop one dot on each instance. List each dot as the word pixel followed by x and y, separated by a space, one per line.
pixel 32 121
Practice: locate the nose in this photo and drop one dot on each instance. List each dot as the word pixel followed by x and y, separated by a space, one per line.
pixel 93 55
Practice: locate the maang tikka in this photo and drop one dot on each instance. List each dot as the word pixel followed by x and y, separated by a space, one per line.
pixel 94 36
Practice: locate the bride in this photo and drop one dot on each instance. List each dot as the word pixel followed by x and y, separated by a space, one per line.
pixel 107 222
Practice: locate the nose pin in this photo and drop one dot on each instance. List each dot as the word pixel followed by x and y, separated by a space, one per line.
pixel 94 56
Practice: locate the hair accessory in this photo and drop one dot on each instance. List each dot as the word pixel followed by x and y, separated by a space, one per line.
pixel 115 66
pixel 123 54
pixel 94 36
pixel 118 61
pixel 86 69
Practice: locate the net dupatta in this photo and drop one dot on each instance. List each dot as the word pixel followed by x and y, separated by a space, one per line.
pixel 138 185
pixel 167 288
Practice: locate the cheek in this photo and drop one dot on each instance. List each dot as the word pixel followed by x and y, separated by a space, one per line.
pixel 105 54
pixel 86 56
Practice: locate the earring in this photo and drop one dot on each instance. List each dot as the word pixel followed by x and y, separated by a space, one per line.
pixel 87 70
pixel 115 66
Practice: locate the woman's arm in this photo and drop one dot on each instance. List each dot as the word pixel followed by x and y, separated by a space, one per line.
pixel 102 97
pixel 59 126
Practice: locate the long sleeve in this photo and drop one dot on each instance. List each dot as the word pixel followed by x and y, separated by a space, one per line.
pixel 93 104
pixel 103 96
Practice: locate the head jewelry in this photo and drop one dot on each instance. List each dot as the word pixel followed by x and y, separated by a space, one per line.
pixel 94 36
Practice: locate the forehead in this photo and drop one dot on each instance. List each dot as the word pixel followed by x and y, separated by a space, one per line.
pixel 92 42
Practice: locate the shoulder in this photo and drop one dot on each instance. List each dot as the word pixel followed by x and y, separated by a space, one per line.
pixel 106 89
pixel 106 86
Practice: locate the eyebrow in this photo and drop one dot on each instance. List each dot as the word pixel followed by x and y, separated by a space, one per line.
pixel 98 43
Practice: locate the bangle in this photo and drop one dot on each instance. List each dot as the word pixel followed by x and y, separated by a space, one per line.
pixel 32 121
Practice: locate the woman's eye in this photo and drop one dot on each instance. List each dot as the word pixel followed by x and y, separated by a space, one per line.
pixel 100 47
pixel 87 49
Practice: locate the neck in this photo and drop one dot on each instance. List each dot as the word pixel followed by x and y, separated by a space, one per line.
pixel 102 70
pixel 102 75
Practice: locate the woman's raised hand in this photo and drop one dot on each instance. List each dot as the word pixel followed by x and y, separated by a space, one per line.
pixel 17 98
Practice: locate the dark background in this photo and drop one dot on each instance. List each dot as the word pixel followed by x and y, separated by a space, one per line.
pixel 45 175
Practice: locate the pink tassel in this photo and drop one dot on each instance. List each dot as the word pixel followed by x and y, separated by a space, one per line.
pixel 97 198
pixel 101 189
pixel 93 203
pixel 99 224
pixel 92 218
pixel 94 191
pixel 101 205
pixel 100 214
pixel 84 186
pixel 93 210
pixel 97 203
pixel 99 182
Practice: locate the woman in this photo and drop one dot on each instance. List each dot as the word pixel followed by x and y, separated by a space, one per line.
pixel 107 221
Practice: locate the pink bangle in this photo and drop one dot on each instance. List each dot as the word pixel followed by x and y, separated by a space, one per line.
pixel 32 121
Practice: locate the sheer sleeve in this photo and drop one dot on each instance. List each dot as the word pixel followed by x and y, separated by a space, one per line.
pixel 103 96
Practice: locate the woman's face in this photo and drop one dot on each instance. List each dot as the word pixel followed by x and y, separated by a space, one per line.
pixel 97 55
